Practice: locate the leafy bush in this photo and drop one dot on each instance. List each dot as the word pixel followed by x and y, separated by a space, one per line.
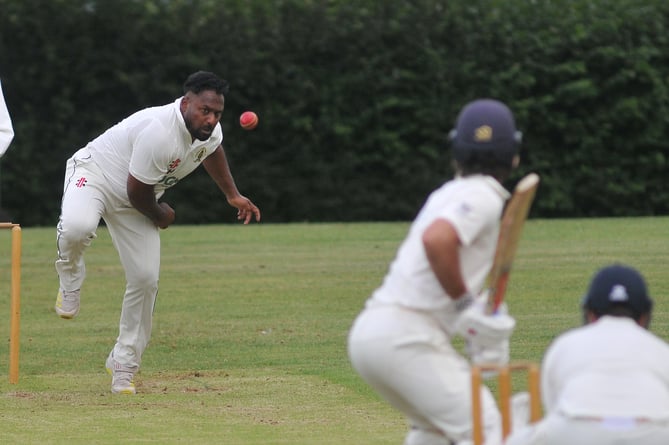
pixel 355 98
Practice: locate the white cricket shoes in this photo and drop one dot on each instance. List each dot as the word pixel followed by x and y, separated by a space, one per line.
pixel 67 303
pixel 122 377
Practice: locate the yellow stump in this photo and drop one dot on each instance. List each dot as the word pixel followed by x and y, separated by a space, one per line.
pixel 504 398
pixel 15 304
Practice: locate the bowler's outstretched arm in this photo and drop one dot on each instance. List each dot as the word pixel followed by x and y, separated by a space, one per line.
pixel 216 165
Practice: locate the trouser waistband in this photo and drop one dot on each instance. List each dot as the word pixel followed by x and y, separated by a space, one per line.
pixel 616 420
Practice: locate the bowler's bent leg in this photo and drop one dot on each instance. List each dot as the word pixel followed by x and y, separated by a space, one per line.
pixel 81 210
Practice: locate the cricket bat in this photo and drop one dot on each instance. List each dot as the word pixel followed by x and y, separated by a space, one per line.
pixel 510 229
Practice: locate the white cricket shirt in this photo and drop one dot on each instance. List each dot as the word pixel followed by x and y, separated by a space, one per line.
pixel 154 146
pixel 473 205
pixel 6 129
pixel 610 368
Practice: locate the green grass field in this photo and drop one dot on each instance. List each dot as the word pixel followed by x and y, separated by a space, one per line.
pixel 249 340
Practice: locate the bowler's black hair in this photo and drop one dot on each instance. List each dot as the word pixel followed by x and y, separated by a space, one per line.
pixel 205 81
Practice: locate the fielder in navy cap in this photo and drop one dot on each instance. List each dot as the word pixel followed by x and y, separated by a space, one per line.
pixel 618 290
pixel 606 382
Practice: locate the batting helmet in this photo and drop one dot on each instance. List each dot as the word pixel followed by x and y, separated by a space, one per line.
pixel 485 127
pixel 617 285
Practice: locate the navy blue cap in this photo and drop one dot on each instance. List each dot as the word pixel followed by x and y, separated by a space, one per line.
pixel 618 285
pixel 485 126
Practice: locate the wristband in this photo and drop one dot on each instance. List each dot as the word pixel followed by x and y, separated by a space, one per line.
pixel 463 302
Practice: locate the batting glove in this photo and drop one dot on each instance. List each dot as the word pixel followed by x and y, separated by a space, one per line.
pixel 482 330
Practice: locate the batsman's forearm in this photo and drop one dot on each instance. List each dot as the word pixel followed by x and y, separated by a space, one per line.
pixel 442 248
pixel 447 271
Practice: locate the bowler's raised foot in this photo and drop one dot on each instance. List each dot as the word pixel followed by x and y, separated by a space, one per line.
pixel 67 303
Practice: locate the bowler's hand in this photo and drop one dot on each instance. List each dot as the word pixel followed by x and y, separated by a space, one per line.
pixel 166 216
pixel 246 210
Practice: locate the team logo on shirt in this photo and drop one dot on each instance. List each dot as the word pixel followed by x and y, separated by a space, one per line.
pixel 464 208
pixel 173 165
pixel 167 180
pixel 200 154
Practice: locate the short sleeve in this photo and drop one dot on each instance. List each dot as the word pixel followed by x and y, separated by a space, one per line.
pixel 150 153
pixel 472 214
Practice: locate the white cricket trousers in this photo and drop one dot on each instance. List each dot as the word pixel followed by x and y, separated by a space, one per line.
pixel 87 197
pixel 410 362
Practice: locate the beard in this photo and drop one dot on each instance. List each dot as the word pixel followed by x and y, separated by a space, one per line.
pixel 200 133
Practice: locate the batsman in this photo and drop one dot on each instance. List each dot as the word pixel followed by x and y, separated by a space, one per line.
pixel 401 342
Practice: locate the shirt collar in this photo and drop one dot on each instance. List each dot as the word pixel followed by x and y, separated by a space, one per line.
pixel 499 188
pixel 492 182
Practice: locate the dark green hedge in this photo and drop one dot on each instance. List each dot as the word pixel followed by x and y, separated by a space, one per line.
pixel 355 98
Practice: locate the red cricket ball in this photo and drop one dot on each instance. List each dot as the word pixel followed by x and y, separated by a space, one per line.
pixel 248 120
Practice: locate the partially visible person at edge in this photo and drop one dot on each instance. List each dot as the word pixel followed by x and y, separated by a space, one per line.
pixel 606 382
pixel 6 129
pixel 400 343
pixel 120 177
